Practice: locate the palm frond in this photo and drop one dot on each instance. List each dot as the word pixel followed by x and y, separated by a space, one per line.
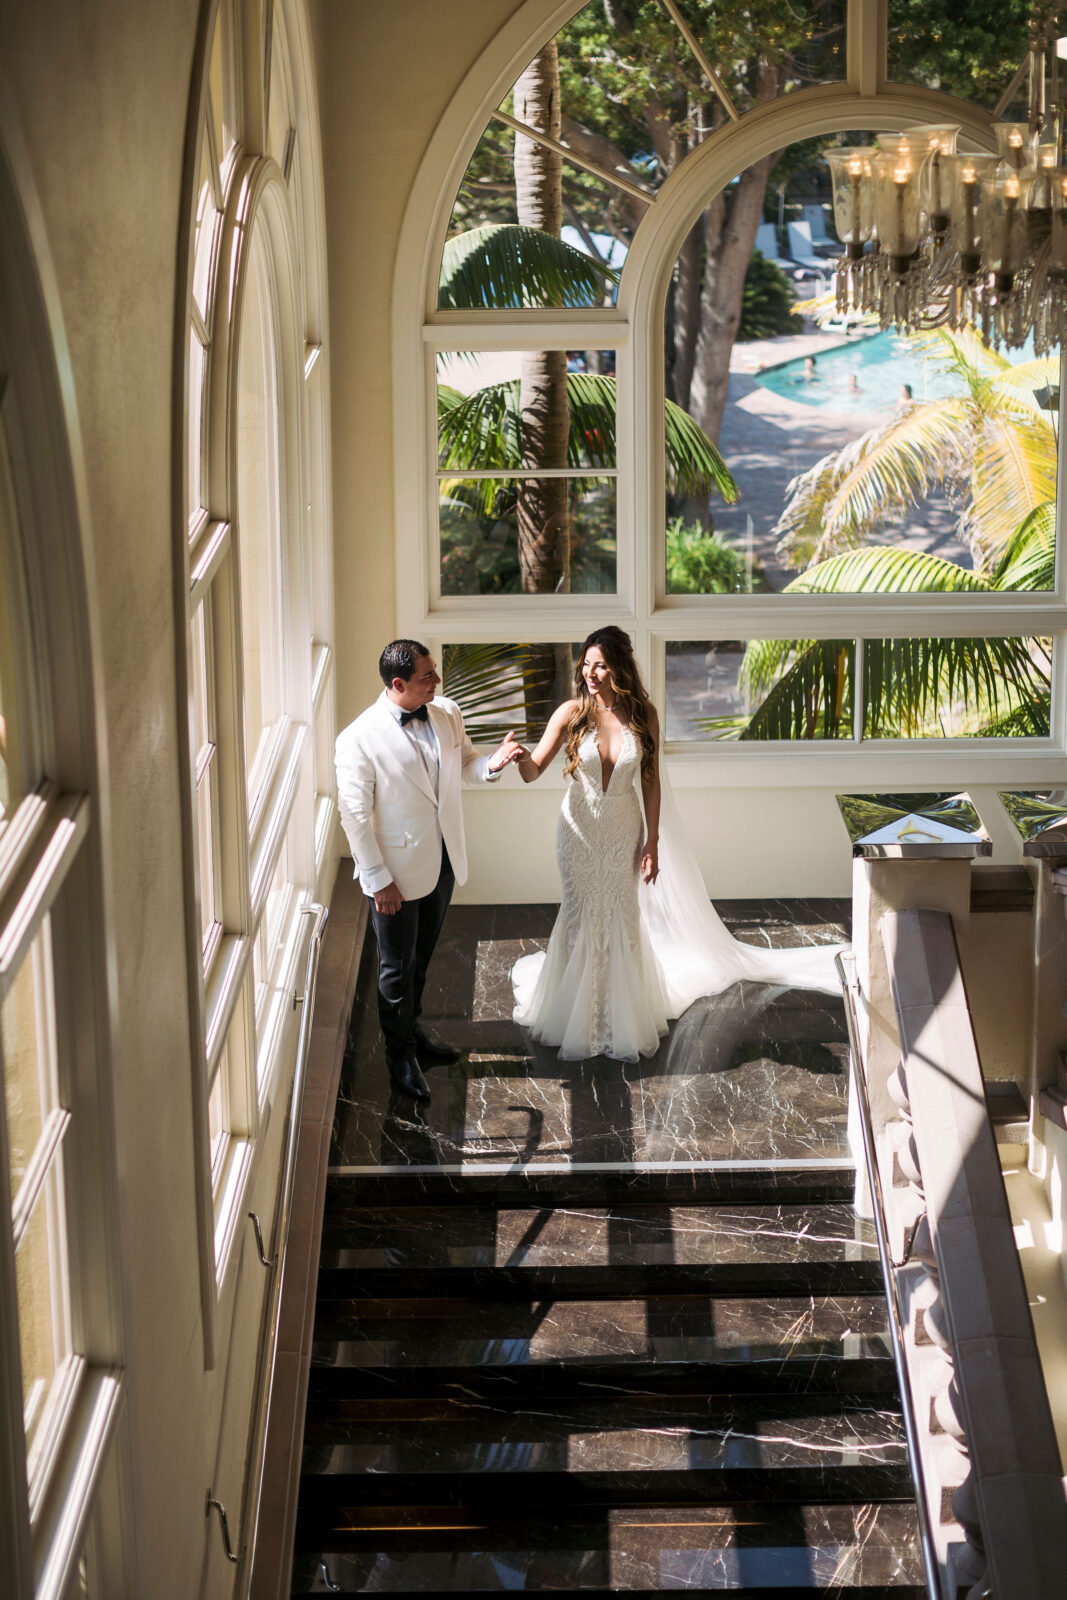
pixel 853 492
pixel 911 685
pixel 1012 470
pixel 813 697
pixel 887 569
pixel 506 265
pixel 1029 559
pixel 448 398
pixel 493 684
pixel 485 431
pixel 694 465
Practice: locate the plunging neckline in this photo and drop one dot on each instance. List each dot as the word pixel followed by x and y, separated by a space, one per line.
pixel 605 786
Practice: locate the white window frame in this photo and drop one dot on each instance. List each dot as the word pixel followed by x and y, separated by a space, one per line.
pixel 634 327
pixel 264 218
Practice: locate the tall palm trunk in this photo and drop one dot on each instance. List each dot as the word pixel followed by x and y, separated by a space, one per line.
pixel 543 520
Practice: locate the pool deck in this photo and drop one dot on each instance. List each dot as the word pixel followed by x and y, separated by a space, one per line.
pixel 767 439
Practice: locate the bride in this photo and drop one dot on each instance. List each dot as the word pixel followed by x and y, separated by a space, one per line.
pixel 636 940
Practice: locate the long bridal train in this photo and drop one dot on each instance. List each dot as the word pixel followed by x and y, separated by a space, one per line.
pixel 626 957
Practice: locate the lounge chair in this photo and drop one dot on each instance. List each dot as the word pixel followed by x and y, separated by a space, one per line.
pixel 822 242
pixel 802 249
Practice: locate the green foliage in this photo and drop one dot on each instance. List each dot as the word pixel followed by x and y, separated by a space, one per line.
pixel 989 686
pixel 990 444
pixel 480 540
pixel 484 431
pixel 504 265
pixel 700 561
pixel 767 302
pixel 968 50
pixel 494 683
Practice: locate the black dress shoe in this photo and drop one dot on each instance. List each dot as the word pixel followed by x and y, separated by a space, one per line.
pixel 432 1054
pixel 405 1077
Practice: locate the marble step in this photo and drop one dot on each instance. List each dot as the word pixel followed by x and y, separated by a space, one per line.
pixel 595 1252
pixel 469 1451
pixel 855 1551
pixel 510 1185
pixel 834 1344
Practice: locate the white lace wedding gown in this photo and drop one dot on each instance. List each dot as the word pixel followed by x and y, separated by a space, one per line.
pixel 624 957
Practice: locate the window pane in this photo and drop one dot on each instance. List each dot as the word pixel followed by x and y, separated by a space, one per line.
pixel 197 369
pixel 504 687
pixel 634 101
pixel 221 83
pixel 218 1109
pixel 259 518
pixel 27 1035
pixel 281 117
pixel 528 536
pixel 957 688
pixel 207 218
pixel 857 468
pixel 760 689
pixel 498 410
pixel 44 1319
pixel 200 670
pixel 206 835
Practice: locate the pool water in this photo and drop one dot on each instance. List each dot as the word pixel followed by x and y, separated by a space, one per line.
pixel 880 362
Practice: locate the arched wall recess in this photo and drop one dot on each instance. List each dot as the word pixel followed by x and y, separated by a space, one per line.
pixel 55 922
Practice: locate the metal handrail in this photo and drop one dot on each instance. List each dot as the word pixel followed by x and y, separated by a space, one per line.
pixel 265 1385
pixel 850 988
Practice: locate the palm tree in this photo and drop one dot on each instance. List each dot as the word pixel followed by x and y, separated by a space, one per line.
pixel 804 687
pixel 991 446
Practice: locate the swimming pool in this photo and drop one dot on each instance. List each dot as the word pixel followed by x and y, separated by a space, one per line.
pixel 880 363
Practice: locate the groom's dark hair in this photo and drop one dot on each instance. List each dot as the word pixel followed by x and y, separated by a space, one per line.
pixel 398 660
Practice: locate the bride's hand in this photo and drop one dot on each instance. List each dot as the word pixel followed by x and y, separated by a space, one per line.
pixel 650 863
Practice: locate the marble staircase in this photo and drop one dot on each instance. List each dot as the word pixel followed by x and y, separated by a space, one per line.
pixel 572 1366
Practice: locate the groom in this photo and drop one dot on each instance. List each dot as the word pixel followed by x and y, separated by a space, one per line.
pixel 399 767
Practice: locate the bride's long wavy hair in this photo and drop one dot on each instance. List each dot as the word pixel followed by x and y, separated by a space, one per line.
pixel 631 697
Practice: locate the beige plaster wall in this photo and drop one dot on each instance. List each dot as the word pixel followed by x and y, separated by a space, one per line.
pixel 101 95
pixel 386 75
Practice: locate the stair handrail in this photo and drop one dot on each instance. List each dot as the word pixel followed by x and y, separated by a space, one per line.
pixel 993 1402
pixel 283 1217
pixel 846 971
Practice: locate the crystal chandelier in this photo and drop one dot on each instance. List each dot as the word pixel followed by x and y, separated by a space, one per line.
pixel 938 238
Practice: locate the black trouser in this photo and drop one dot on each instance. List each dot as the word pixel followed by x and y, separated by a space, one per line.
pixel 406 941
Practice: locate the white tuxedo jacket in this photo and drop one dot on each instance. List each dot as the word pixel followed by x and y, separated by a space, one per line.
pixel 393 820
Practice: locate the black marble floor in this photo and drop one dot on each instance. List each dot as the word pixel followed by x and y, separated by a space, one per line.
pixel 753 1075
pixel 592 1327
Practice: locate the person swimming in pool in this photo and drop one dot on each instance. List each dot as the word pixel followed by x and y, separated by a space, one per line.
pixel 810 375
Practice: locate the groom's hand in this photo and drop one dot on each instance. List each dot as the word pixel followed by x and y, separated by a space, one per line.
pixel 388 901
pixel 505 753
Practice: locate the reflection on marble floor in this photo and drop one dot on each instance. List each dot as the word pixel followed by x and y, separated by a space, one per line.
pixel 756 1074
pixel 701 1547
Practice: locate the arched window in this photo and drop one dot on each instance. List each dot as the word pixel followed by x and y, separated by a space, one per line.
pixel 571 273
pixel 61 1337
pixel 255 598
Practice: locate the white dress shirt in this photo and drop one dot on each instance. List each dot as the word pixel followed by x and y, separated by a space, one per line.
pixel 424 739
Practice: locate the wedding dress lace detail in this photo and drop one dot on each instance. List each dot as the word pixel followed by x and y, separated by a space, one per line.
pixel 624 956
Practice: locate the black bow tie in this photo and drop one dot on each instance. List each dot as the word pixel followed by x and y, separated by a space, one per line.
pixel 418 715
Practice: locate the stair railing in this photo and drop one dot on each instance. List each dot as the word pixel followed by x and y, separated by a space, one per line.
pixel 244 1555
pixel 975 1360
pixel 846 970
